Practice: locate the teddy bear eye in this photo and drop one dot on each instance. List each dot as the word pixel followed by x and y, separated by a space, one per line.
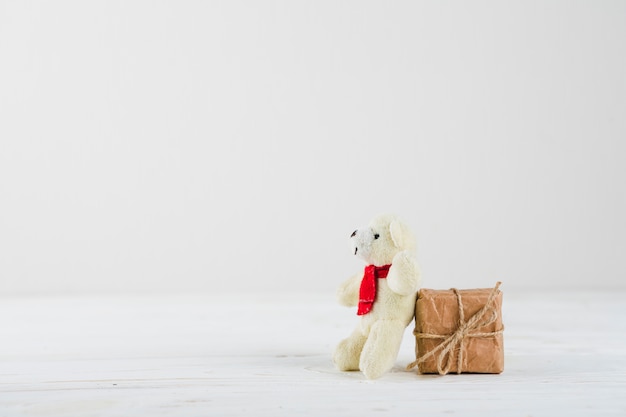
pixel 376 236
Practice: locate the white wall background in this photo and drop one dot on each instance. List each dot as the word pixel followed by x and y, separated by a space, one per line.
pixel 227 146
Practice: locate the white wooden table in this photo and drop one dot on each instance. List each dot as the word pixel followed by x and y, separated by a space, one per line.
pixel 216 355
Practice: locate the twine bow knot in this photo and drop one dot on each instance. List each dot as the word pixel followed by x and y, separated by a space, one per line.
pixel 465 329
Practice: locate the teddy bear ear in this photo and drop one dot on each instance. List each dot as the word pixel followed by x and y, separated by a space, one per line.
pixel 399 234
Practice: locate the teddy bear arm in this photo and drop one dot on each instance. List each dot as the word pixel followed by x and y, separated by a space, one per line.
pixel 348 292
pixel 404 276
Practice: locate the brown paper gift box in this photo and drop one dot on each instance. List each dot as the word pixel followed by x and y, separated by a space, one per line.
pixel 447 341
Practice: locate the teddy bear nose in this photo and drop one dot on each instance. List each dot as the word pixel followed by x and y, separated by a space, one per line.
pixel 353 234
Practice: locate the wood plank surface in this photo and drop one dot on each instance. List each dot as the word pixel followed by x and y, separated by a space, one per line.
pixel 228 355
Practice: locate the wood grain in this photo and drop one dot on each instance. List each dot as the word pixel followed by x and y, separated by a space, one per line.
pixel 183 355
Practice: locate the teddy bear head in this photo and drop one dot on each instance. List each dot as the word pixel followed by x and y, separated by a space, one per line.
pixel 381 240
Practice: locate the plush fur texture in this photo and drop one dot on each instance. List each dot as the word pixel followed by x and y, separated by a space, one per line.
pixel 373 346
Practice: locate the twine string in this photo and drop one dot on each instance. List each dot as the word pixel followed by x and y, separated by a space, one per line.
pixel 465 329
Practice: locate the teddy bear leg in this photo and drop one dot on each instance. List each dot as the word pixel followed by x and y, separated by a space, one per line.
pixel 348 352
pixel 381 349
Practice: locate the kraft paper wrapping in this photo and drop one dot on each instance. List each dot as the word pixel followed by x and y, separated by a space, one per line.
pixel 477 339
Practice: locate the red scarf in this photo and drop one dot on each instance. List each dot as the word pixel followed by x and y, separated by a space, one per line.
pixel 367 292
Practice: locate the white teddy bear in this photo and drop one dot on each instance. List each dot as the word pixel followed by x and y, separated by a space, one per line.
pixel 385 294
